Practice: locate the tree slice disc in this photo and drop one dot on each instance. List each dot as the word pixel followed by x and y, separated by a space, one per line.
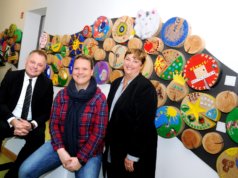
pixel 194 44
pixel 115 74
pixel 161 92
pixel 226 101
pixel 191 138
pixel 213 142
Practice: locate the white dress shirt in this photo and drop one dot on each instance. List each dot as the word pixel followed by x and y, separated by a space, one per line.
pixel 18 109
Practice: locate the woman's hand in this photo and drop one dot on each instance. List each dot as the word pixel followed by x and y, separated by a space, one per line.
pixel 129 165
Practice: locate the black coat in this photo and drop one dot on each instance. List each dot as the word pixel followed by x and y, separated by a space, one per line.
pixel 131 128
pixel 42 97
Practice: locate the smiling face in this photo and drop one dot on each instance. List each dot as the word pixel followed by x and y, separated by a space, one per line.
pixel 35 64
pixel 82 73
pixel 132 66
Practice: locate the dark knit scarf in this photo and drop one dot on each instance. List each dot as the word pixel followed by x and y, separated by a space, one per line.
pixel 77 104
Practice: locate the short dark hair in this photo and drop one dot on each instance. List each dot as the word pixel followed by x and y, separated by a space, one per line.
pixel 39 52
pixel 82 56
pixel 138 53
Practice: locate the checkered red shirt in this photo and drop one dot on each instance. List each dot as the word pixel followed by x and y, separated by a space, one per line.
pixel 92 125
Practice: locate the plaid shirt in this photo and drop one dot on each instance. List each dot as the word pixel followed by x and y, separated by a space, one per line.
pixel 92 125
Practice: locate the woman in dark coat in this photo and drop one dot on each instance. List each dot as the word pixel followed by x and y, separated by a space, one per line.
pixel 131 140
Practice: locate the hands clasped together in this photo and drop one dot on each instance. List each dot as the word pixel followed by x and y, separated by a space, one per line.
pixel 68 162
pixel 21 127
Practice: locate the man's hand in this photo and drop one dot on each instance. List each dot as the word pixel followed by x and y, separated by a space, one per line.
pixel 129 165
pixel 21 127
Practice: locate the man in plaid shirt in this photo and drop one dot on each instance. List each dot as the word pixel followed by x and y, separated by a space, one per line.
pixel 79 118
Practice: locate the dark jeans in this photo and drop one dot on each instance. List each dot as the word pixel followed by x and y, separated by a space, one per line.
pixel 33 141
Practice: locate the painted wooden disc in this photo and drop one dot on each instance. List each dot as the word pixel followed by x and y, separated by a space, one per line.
pixel 171 61
pixel 63 77
pixel 202 71
pixel 153 45
pixel 177 88
pixel 199 112
pixel 71 64
pixel 168 121
pixel 87 31
pixel 76 44
pixel 90 45
pixel 64 51
pixel 232 124
pixel 18 35
pixel 122 29
pixel 102 28
pixel 56 39
pixel 227 163
pixel 116 56
pixel 44 39
pixel 147 24
pixel 102 72
pixel 48 71
pixel 175 31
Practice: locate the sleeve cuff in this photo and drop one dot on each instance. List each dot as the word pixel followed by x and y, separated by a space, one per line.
pixel 132 158
pixel 35 124
pixel 10 120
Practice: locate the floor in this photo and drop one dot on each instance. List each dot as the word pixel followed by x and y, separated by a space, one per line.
pixel 3 159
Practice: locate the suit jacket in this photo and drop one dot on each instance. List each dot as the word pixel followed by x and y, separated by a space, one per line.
pixel 131 128
pixel 42 96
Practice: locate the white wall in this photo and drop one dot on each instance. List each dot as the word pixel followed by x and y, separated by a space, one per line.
pixel 215 21
pixel 11 10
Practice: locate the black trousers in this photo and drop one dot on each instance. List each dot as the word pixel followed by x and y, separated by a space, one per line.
pixel 33 141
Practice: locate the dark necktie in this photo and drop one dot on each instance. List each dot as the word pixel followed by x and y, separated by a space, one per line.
pixel 27 101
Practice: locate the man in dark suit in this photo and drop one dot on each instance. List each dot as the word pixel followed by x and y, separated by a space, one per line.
pixel 13 92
